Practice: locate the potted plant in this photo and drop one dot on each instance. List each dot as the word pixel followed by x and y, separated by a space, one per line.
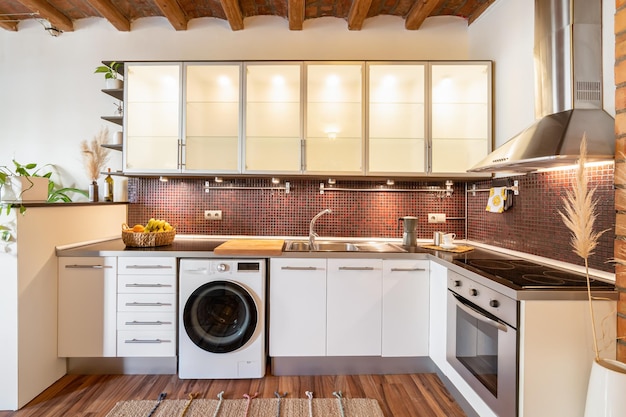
pixel 25 183
pixel 607 381
pixel 111 75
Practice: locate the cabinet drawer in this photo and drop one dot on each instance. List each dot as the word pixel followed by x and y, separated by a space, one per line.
pixel 146 343
pixel 146 283
pixel 146 302
pixel 128 320
pixel 146 266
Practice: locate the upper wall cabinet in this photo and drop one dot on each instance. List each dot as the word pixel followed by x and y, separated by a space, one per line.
pixel 211 118
pixel 334 118
pixel 396 119
pixel 461 115
pixel 152 117
pixel 318 118
pixel 273 118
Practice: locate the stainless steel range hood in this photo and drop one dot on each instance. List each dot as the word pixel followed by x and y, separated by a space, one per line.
pixel 568 93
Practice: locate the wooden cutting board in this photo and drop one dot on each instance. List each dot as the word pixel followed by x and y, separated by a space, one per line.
pixel 456 249
pixel 254 247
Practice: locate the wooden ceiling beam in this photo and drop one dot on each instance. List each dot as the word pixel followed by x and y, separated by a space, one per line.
pixel 173 13
pixel 233 13
pixel 358 13
pixel 48 12
pixel 111 13
pixel 479 10
pixel 8 25
pixel 420 10
pixel 295 9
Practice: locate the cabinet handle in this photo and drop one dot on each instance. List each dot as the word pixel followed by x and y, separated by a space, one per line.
pixel 148 267
pixel 136 304
pixel 407 269
pixel 147 323
pixel 298 268
pixel 77 266
pixel 356 268
pixel 147 341
pixel 147 285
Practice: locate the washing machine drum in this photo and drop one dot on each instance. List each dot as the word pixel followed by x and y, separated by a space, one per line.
pixel 220 316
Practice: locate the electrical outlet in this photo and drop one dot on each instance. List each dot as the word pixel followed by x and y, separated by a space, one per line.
pixel 213 214
pixel 436 217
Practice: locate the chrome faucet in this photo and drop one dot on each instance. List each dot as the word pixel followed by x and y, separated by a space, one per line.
pixel 312 234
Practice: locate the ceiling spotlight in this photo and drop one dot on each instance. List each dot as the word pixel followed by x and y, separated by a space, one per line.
pixel 390 182
pixel 163 179
pixel 275 181
pixel 219 179
pixel 332 181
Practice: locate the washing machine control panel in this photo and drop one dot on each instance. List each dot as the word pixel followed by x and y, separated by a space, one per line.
pixel 222 267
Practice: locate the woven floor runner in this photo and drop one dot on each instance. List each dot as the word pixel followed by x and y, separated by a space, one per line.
pixel 257 407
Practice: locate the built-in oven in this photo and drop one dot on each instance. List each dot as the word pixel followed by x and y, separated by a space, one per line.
pixel 482 341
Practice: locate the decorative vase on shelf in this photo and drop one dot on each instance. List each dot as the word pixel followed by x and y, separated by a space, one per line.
pixel 93 191
pixel 24 189
pixel 114 83
pixel 606 391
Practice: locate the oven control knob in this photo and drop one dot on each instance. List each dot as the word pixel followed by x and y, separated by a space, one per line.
pixel 457 282
pixel 494 303
pixel 473 292
pixel 222 267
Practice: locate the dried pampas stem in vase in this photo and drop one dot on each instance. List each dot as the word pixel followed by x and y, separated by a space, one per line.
pixel 579 217
pixel 94 155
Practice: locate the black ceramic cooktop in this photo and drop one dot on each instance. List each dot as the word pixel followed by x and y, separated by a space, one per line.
pixel 529 275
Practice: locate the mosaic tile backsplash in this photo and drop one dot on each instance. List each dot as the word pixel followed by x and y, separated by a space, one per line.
pixel 532 225
pixel 263 212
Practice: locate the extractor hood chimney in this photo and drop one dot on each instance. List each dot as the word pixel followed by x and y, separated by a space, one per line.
pixel 568 93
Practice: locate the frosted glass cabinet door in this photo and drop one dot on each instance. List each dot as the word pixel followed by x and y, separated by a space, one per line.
pixel 396 118
pixel 460 115
pixel 334 118
pixel 273 121
pixel 152 117
pixel 212 112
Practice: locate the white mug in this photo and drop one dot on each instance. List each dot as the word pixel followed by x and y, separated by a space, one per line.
pixel 448 239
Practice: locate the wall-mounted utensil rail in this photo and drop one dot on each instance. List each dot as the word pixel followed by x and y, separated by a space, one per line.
pixel 515 188
pixel 286 187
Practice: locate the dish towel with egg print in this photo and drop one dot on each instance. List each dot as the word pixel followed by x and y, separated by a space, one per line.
pixel 497 197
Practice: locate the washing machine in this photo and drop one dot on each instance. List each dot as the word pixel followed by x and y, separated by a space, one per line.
pixel 221 332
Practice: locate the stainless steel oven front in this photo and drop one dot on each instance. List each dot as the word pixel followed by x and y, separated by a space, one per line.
pixel 482 341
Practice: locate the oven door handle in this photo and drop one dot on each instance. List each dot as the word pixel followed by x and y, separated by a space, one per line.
pixel 478 316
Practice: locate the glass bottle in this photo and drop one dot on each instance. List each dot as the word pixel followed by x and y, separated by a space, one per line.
pixel 108 187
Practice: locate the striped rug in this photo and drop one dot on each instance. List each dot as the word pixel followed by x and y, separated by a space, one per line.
pixel 251 407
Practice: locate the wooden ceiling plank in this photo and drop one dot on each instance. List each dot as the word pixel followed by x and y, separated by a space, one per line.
pixel 358 13
pixel 295 8
pixel 12 26
pixel 48 12
pixel 233 13
pixel 111 13
pixel 173 13
pixel 479 10
pixel 420 10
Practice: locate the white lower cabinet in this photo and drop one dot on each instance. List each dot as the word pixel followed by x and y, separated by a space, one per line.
pixel 146 306
pixel 87 307
pixel 354 307
pixel 348 307
pixel 405 307
pixel 297 304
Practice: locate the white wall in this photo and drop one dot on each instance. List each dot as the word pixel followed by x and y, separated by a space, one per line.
pixel 505 34
pixel 51 99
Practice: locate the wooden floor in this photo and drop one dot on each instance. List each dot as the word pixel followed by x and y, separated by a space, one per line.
pixel 411 395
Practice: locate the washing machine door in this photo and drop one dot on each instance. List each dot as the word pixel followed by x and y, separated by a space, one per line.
pixel 220 316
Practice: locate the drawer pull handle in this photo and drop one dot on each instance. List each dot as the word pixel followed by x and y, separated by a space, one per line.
pixel 77 266
pixel 299 268
pixel 356 268
pixel 148 267
pixel 136 304
pixel 407 269
pixel 147 341
pixel 147 323
pixel 147 285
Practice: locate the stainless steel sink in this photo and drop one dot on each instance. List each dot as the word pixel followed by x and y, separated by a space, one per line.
pixel 335 246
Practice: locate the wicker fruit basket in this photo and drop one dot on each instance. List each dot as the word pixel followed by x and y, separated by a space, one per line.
pixel 146 239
